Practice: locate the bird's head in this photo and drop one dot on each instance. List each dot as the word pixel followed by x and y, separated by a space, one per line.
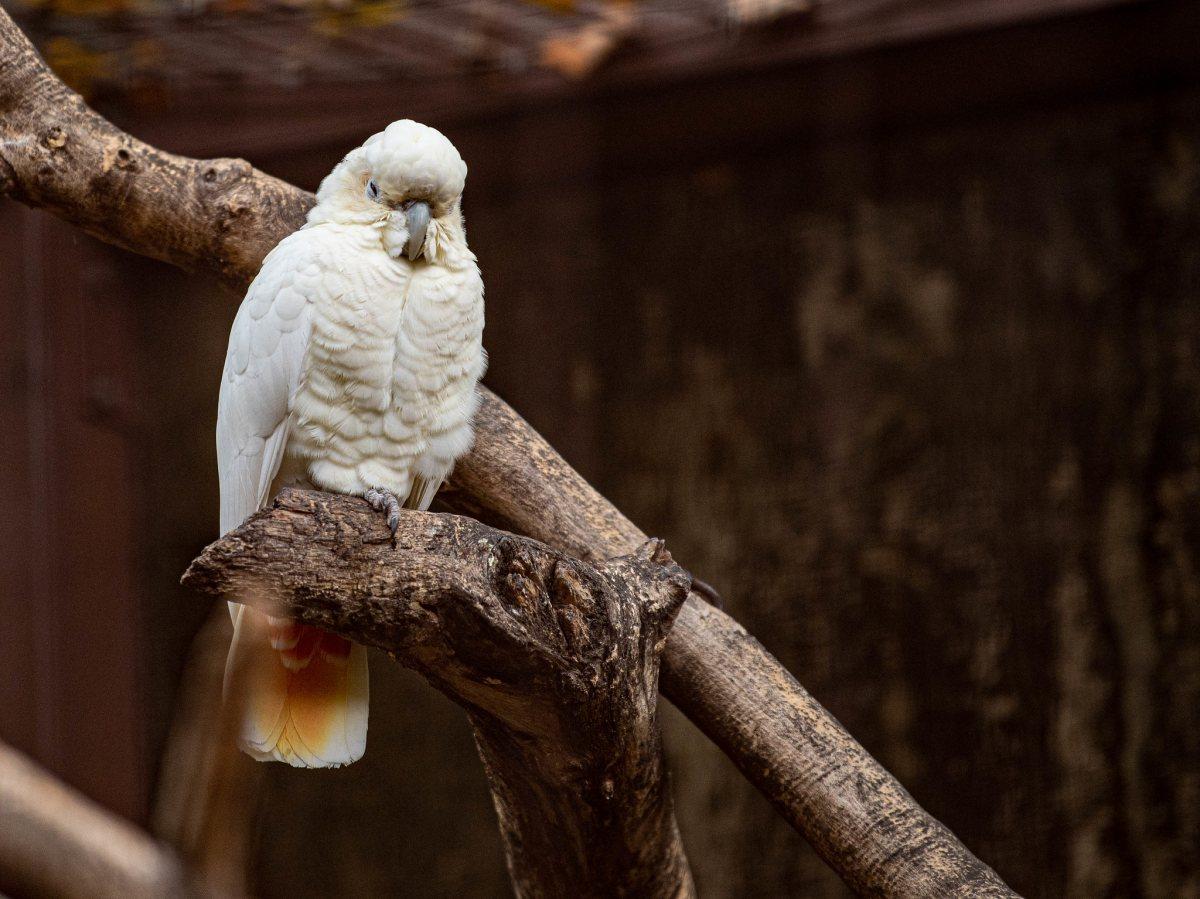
pixel 406 181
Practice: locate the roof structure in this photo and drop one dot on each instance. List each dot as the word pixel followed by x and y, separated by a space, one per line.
pixel 127 47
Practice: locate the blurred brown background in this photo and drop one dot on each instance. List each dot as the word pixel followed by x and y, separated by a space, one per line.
pixel 885 314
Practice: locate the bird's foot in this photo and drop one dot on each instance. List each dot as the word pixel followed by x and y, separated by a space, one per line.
pixel 382 500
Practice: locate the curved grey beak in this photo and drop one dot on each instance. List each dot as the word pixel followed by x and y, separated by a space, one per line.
pixel 417 216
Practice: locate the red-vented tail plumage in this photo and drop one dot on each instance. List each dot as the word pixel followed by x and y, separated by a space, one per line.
pixel 303 692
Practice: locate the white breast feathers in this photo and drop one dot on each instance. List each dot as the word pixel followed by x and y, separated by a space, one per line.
pixel 387 391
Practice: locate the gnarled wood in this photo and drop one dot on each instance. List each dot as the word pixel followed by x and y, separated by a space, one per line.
pixel 855 814
pixel 555 661
pixel 883 842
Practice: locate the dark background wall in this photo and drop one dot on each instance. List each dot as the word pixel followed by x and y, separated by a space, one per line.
pixel 901 351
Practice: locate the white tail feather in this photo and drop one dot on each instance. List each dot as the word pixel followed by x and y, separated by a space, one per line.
pixel 309 715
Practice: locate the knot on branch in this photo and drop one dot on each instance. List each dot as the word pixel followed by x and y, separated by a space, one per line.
pixel 216 174
pixel 227 188
pixel 55 138
pixel 662 584
pixel 119 156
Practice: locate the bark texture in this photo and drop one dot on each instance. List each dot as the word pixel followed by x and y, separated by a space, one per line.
pixel 555 661
pixel 57 843
pixel 56 154
pixel 882 843
pixel 804 759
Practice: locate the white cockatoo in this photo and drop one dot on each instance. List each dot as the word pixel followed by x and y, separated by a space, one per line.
pixel 352 367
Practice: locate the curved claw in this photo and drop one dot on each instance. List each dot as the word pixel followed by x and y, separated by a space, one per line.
pixel 383 500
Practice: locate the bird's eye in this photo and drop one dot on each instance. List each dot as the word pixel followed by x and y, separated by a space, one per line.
pixel 372 190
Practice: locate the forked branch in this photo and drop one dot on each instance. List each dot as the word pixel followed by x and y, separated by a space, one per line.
pixel 555 660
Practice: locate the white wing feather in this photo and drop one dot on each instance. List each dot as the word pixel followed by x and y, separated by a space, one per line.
pixel 267 344
pixel 263 368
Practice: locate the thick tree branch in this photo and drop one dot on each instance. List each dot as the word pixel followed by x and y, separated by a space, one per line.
pixel 555 661
pixel 855 814
pixel 56 843
pixel 57 154
pixel 861 821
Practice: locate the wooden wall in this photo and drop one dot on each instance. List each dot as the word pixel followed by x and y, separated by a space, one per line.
pixel 899 351
pixel 925 403
pixel 70 595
